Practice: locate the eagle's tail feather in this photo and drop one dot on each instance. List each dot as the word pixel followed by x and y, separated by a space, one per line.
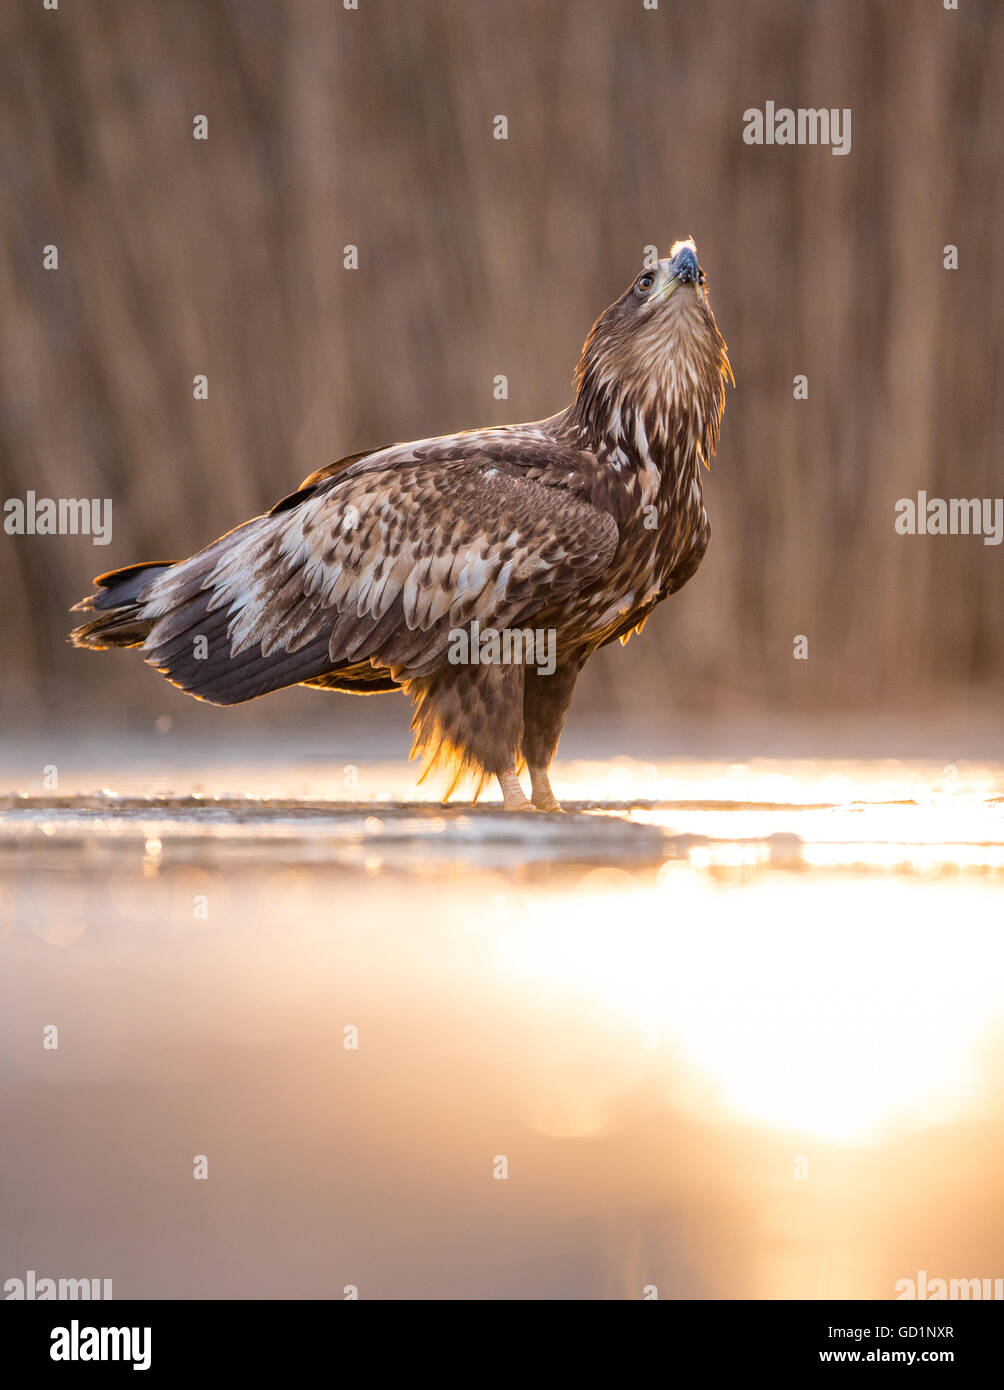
pixel 119 604
pixel 165 610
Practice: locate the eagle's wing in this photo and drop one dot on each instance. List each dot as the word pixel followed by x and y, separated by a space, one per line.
pixel 375 564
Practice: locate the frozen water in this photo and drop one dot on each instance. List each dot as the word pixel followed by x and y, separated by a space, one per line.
pixel 729 1029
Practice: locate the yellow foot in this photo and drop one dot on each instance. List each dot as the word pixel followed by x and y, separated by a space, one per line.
pixel 543 796
pixel 513 796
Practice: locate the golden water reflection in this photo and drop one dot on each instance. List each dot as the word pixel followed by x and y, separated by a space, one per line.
pixel 795 1003
pixel 764 1061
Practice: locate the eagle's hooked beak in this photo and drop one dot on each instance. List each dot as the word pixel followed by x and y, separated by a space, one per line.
pixel 683 268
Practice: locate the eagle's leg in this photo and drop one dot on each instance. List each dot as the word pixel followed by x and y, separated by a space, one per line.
pixel 546 699
pixel 541 790
pixel 470 719
pixel 514 798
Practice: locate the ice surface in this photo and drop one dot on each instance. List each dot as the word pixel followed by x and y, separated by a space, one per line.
pixel 737 1029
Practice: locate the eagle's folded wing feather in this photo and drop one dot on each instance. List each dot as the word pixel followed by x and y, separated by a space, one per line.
pixel 376 565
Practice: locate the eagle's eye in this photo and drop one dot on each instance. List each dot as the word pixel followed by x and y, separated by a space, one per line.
pixel 644 282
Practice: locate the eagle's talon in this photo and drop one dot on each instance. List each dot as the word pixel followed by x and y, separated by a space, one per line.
pixel 543 794
pixel 513 796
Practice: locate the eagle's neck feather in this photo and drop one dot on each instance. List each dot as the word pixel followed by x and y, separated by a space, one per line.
pixel 655 399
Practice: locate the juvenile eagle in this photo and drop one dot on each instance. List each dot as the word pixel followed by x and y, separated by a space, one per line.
pixel 575 526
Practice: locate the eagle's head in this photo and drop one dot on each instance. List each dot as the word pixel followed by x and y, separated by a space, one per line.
pixel 653 370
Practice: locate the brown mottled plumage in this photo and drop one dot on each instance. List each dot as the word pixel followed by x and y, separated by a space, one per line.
pixel 361 579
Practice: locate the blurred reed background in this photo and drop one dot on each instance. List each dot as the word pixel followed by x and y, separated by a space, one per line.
pixel 477 257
